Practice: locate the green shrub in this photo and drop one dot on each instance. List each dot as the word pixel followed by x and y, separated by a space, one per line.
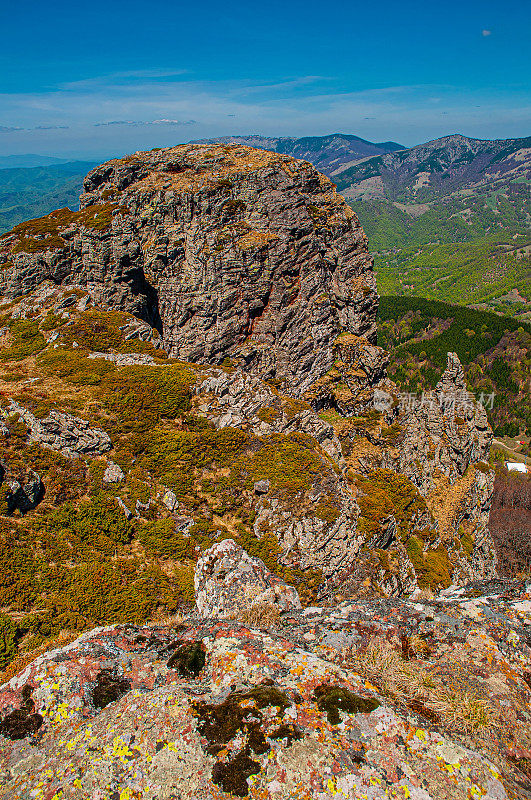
pixel 386 492
pixel 28 340
pixel 74 367
pixel 142 396
pixel 160 539
pixel 290 463
pixel 94 526
pixel 8 639
pixel 112 592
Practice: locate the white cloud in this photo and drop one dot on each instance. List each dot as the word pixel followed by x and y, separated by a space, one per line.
pixel 485 32
pixel 144 122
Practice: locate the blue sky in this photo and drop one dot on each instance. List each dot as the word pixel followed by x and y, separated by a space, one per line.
pixel 91 80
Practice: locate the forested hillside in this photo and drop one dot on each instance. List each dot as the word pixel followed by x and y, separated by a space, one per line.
pixel 29 192
pixel 495 352
pixel 470 250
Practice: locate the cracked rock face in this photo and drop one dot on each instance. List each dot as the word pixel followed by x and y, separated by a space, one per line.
pixel 227 581
pixel 445 453
pixel 232 252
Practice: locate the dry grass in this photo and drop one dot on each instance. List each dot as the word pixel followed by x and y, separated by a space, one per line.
pixel 255 610
pixel 260 615
pixel 417 687
pixel 169 621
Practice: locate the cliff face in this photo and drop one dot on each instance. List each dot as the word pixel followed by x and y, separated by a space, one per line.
pixel 231 252
pixel 248 262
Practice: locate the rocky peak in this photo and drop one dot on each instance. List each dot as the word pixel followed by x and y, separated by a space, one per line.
pixel 453 377
pixel 229 251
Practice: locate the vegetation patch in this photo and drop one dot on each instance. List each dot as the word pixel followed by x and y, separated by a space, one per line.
pixel 23 721
pixel 108 688
pixel 43 234
pixel 386 492
pixel 27 340
pixel 334 699
pixel 188 659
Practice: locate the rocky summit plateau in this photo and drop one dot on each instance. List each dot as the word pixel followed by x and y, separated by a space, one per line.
pixel 234 559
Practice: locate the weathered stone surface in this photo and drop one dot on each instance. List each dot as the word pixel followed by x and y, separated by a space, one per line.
pixel 243 401
pixel 231 252
pixel 330 705
pixel 70 435
pixel 227 581
pixel 113 473
pixel 445 452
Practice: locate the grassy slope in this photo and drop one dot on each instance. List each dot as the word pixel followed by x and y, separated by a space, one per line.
pixel 467 250
pixel 75 561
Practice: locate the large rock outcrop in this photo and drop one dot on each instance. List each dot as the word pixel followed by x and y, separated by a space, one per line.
pixel 232 252
pixel 427 700
pixel 249 262
pixel 229 582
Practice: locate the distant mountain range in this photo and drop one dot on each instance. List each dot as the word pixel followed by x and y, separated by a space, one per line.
pixel 447 220
pixel 29 160
pixel 28 192
pixel 454 164
pixel 330 154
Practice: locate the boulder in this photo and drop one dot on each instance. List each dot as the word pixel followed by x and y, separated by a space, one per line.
pixel 227 580
pixel 113 473
pixel 72 436
pixel 229 251
pixel 359 700
pixel 25 496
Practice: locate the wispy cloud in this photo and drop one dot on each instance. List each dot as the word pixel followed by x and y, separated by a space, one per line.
pixel 486 32
pixel 144 122
pixel 123 112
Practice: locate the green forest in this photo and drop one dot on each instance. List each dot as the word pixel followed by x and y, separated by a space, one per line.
pixel 495 352
pixel 467 249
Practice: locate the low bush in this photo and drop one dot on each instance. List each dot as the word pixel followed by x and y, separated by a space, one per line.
pixel 27 340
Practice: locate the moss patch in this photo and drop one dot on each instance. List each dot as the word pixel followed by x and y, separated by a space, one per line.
pixel 332 699
pixel 23 721
pixel 188 659
pixel 232 776
pixel 108 688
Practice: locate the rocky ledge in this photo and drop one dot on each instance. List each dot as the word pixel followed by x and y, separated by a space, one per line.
pixel 420 699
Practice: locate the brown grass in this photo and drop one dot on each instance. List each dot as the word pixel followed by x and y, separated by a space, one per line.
pixel 412 684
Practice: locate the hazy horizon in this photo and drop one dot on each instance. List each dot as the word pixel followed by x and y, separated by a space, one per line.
pixel 108 79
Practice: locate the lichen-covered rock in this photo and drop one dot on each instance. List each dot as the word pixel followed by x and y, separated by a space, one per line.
pixel 113 473
pixel 70 435
pixel 427 700
pixel 228 581
pixel 231 252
